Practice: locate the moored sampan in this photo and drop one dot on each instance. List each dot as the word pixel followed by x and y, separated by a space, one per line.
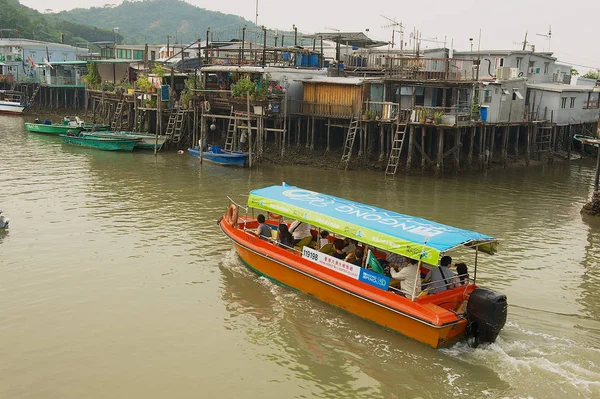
pixel 441 319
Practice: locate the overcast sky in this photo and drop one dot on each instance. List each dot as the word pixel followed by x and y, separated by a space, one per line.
pixel 575 26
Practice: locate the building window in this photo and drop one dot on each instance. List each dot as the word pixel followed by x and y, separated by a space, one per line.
pixel 563 102
pixel 138 54
pixel 499 62
pixel 531 64
pixel 572 102
pixel 124 54
pixel 487 96
pixel 519 62
pixel 546 67
pixel 517 95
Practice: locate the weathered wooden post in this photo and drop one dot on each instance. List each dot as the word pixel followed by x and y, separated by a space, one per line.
pixel 440 153
pixel 528 149
pixel 411 147
pixel 503 151
pixel 423 153
pixel 249 130
pixel 492 146
pixel 471 143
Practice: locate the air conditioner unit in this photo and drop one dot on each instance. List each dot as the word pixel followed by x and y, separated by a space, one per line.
pixel 514 73
pixel 503 73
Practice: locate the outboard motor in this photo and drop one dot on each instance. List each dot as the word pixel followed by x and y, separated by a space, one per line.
pixel 486 314
pixel 3 221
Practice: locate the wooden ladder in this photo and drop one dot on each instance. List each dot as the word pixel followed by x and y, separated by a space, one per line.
pixel 231 129
pixel 116 122
pixel 179 123
pixel 349 144
pixel 397 144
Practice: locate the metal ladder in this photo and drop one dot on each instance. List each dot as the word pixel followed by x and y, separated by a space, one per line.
pixel 349 144
pixel 116 122
pixel 397 145
pixel 175 125
pixel 35 92
pixel 140 121
pixel 544 139
pixel 231 129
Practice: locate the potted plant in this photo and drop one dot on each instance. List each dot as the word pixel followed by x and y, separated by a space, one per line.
pixel 437 117
pixel 143 84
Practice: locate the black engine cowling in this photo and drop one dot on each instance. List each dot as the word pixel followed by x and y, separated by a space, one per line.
pixel 486 314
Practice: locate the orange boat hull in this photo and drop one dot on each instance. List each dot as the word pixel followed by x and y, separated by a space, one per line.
pixel 421 320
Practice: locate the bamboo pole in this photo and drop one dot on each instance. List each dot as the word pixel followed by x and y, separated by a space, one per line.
pixel 249 130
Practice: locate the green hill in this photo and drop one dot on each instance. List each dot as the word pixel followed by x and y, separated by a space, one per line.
pixel 31 24
pixel 150 21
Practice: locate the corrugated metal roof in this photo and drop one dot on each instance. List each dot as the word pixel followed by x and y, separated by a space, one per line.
pixel 355 81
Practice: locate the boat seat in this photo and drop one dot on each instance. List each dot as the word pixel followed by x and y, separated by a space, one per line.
pixel 327 249
pixel 303 243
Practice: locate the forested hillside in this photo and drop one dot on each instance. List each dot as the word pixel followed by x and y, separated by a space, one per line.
pixel 17 20
pixel 150 21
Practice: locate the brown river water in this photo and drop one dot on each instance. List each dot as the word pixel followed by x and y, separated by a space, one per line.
pixel 115 282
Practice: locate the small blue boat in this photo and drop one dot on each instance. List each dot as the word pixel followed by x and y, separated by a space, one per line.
pixel 219 156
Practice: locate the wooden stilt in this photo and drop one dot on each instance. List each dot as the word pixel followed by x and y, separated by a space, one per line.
pixel 439 167
pixel 528 149
pixel 312 134
pixel 492 145
pixel 423 141
pixel 503 151
pixel 456 154
pixel 411 148
pixel 471 143
pixel 328 133
pixel 381 143
pixel 482 133
pixel 298 128
pixel 517 134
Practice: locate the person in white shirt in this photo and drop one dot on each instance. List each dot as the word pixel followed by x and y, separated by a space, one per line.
pixel 299 230
pixel 350 246
pixel 407 276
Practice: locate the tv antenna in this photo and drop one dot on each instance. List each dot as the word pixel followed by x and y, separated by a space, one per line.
pixel 394 24
pixel 548 36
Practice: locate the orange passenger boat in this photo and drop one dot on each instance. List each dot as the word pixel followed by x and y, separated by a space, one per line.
pixel 441 319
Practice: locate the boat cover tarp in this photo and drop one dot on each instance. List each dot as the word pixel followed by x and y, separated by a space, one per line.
pixel 402 234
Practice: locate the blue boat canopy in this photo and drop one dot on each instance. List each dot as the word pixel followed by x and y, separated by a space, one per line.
pixel 401 234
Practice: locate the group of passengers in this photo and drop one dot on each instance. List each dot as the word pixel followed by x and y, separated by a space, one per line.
pixel 402 269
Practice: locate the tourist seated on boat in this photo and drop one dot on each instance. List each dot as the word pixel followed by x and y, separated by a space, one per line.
pixel 36 120
pixel 323 240
pixel 462 277
pixel 301 233
pixel 358 255
pixel 407 276
pixel 263 231
pixel 338 246
pixel 285 238
pixel 349 245
pixel 440 278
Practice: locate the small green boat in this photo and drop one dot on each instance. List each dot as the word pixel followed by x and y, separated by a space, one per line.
pixel 143 141
pixel 55 129
pixel 100 143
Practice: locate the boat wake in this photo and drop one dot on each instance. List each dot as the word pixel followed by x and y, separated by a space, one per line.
pixel 564 365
